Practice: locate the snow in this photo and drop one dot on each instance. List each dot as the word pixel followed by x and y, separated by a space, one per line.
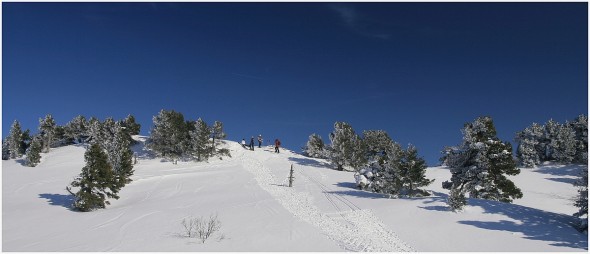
pixel 322 211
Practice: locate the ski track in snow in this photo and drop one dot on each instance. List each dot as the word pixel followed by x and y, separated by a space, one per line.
pixel 352 228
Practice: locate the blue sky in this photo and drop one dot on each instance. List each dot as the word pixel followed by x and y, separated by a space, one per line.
pixel 286 70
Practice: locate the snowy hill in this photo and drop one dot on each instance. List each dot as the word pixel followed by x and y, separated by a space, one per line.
pixel 322 212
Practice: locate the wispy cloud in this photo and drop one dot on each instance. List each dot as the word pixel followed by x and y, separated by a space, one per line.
pixel 357 22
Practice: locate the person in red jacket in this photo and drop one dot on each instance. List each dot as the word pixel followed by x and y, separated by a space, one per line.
pixel 277 144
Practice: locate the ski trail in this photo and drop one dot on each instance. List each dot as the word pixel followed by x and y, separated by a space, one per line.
pixel 354 230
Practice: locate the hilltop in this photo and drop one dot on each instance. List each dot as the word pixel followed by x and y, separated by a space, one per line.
pixel 322 211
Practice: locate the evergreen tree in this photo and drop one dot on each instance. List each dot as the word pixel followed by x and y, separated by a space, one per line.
pixel 5 149
pixel 346 148
pixel 47 130
pixel 15 140
pixel 96 181
pixel 314 147
pixel 412 171
pixel 564 144
pixel 200 140
pixel 530 148
pixel 551 130
pixel 383 156
pixel 130 125
pixel 34 152
pixel 217 134
pixel 77 129
pixel 94 131
pixel 169 136
pixel 582 199
pixel 479 165
pixel 118 147
pixel 580 127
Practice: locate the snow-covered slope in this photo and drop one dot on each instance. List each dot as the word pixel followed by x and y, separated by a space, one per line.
pixel 321 212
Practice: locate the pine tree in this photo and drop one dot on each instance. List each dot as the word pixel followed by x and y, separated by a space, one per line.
pixel 96 181
pixel 582 199
pixel 5 149
pixel 130 125
pixel 34 152
pixel 47 130
pixel 94 131
pixel 564 144
pixel 346 147
pixel 314 147
pixel 551 130
pixel 217 134
pixel 200 140
pixel 15 140
pixel 77 129
pixel 118 147
pixel 580 127
pixel 413 172
pixel 479 165
pixel 530 148
pixel 169 136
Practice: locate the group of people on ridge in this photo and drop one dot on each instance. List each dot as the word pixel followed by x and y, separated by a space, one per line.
pixel 251 145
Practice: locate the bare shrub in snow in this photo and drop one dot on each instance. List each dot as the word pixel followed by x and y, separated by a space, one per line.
pixel 201 227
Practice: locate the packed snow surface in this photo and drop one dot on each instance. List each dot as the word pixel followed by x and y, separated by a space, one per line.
pixel 259 212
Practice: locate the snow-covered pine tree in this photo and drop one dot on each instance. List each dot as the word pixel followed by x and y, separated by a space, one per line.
pixel 346 147
pixel 199 140
pixel 47 130
pixel 479 165
pixel 77 129
pixel 15 140
pixel 217 134
pixel 94 131
pixel 96 181
pixel 529 145
pixel 169 136
pixel 413 173
pixel 582 200
pixel 564 144
pixel 130 126
pixel 580 127
pixel 551 130
pixel 5 149
pixel 117 145
pixel 33 154
pixel 382 154
pixel 314 147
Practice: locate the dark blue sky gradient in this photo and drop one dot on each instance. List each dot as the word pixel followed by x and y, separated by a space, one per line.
pixel 286 70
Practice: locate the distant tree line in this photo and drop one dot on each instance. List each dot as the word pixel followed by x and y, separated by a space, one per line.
pixel 381 165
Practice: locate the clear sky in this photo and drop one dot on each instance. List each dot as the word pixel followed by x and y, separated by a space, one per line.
pixel 287 70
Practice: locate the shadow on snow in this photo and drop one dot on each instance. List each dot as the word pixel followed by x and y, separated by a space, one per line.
pixel 560 170
pixel 59 200
pixel 309 162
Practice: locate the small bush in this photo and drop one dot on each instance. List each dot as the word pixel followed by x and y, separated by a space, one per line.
pixel 201 228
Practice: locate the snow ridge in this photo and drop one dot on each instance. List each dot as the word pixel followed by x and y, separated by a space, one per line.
pixel 352 228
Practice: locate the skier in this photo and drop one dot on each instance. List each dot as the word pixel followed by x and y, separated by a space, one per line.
pixel 277 144
pixel 244 143
pixel 260 141
pixel 252 143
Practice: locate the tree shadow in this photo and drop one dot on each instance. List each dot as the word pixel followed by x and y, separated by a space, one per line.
pixel 59 200
pixel 533 223
pixel 560 170
pixel 309 162
pixel 562 180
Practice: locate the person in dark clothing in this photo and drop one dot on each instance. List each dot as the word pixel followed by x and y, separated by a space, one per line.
pixel 252 143
pixel 277 145
pixel 259 141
